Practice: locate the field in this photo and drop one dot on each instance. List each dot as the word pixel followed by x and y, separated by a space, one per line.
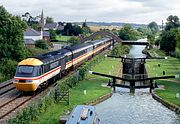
pixel 97 28
pixel 94 90
pixel 63 38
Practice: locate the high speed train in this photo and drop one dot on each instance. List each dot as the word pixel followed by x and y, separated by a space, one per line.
pixel 32 73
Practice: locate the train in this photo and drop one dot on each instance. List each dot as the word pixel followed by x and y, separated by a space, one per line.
pixel 35 72
pixel 83 114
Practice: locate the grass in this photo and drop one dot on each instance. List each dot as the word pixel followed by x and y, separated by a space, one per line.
pixel 169 93
pixel 94 90
pixel 63 38
pixel 171 66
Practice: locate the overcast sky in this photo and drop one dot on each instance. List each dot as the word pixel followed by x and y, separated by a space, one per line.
pixel 129 11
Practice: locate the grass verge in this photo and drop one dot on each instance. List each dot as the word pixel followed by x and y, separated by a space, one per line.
pixel 94 90
pixel 169 91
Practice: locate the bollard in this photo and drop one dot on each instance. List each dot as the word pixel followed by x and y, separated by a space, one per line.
pixel 177 95
pixel 85 92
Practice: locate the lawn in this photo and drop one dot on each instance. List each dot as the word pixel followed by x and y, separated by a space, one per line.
pixel 169 93
pixel 94 90
pixel 171 66
pixel 63 38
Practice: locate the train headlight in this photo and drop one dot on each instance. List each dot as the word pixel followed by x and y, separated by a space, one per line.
pixel 28 81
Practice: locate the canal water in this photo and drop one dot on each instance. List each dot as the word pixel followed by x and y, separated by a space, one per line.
pixel 137 108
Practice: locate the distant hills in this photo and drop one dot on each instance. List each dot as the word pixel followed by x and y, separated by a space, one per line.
pixel 109 24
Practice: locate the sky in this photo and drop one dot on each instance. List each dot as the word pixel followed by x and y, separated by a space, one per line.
pixel 127 11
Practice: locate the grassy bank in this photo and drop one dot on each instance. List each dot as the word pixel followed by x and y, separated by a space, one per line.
pixel 94 90
pixel 171 66
pixel 169 91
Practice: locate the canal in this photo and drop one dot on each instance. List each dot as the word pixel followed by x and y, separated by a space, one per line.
pixel 137 108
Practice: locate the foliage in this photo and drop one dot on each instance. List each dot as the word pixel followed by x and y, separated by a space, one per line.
pixel 144 29
pixel 52 34
pixel 41 44
pixel 151 39
pixel 30 113
pixel 168 41
pixel 178 44
pixel 128 33
pixel 153 27
pixel 49 19
pixel 36 51
pixel 172 22
pixel 74 40
pixel 8 70
pixel 30 20
pixel 77 30
pixel 11 36
pixel 120 50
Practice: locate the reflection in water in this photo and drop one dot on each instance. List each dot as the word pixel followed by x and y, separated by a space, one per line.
pixel 138 108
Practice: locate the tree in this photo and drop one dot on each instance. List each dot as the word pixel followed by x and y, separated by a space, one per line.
pixel 68 29
pixel 74 40
pixel 178 44
pixel 153 27
pixel 128 33
pixel 52 34
pixel 144 30
pixel 168 41
pixel 77 30
pixel 11 36
pixel 172 22
pixel 49 19
pixel 151 39
pixel 41 44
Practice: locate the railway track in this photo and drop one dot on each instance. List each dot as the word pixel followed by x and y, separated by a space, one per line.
pixel 12 105
pixel 6 86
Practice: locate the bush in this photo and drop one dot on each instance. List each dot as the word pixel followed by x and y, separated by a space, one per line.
pixel 41 44
pixel 120 50
pixel 9 70
pixel 36 51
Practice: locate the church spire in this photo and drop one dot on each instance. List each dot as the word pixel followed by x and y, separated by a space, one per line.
pixel 42 20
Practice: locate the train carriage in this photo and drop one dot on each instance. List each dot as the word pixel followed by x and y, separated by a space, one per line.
pixel 35 72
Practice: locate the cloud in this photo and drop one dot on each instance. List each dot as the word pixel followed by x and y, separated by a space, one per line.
pixel 137 11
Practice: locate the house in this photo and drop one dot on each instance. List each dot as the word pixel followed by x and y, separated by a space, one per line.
pixel 31 36
pixel 46 36
pixel 51 26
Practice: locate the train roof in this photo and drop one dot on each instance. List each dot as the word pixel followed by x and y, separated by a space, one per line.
pixel 82 114
pixel 80 47
pixel 52 56
pixel 95 42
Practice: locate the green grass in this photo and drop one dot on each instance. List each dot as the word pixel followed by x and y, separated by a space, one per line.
pixel 63 38
pixel 169 93
pixel 171 66
pixel 94 90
